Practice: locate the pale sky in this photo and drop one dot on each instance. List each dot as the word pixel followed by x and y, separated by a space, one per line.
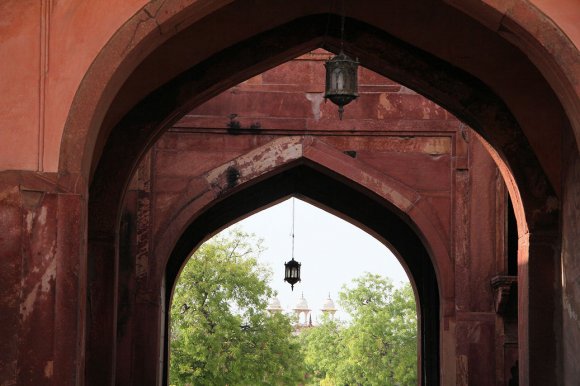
pixel 331 250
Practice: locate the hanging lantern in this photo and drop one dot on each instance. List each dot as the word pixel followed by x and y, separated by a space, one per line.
pixel 292 272
pixel 341 81
pixel 292 267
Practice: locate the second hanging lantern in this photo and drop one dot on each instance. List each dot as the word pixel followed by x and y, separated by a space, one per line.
pixel 292 267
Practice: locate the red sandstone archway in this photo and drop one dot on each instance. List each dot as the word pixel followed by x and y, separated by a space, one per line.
pixel 335 191
pixel 99 131
pixel 200 208
pixel 396 214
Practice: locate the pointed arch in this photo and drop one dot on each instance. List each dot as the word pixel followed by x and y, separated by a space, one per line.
pixel 308 168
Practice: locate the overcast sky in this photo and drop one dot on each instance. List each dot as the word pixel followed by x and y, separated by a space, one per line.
pixel 331 250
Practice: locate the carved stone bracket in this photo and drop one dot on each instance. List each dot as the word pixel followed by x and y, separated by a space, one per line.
pixel 505 292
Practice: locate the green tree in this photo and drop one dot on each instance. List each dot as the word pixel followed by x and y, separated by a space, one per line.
pixel 378 346
pixel 382 338
pixel 221 333
pixel 323 350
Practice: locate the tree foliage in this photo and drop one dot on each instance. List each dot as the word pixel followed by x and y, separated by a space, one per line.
pixel 323 351
pixel 221 333
pixel 378 346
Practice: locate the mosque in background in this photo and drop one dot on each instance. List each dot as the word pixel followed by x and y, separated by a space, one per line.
pixel 302 311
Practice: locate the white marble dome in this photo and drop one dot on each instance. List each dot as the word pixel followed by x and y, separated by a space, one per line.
pixel 274 305
pixel 328 305
pixel 302 304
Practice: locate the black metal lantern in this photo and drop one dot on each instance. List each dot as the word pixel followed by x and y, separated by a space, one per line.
pixel 341 81
pixel 292 272
pixel 292 268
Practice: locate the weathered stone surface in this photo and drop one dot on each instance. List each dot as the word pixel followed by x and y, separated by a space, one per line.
pixel 571 268
pixel 41 257
pixel 91 85
pixel 10 277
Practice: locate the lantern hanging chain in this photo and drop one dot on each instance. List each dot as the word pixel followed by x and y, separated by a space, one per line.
pixel 293 201
pixel 327 28
pixel 342 27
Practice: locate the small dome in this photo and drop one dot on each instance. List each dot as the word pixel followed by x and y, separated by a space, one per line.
pixel 274 305
pixel 328 305
pixel 302 304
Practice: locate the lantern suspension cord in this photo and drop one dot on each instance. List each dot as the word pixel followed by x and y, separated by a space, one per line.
pixel 328 17
pixel 293 201
pixel 342 27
